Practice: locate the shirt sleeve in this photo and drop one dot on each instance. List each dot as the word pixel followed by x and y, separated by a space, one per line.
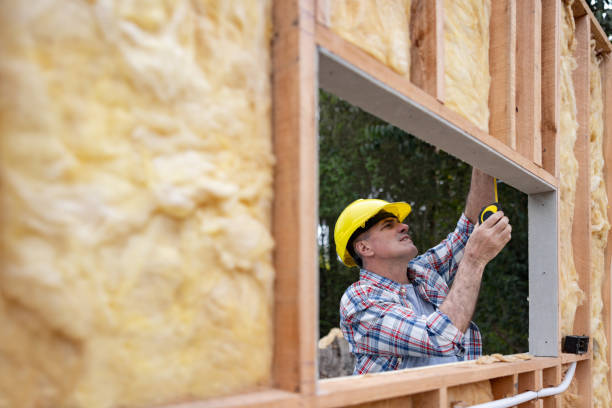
pixel 445 256
pixel 389 328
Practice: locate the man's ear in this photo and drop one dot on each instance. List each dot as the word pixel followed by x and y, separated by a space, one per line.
pixel 363 249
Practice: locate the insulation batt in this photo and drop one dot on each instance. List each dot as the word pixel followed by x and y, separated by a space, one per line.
pixel 136 173
pixel 379 27
pixel 466 52
pixel 570 293
pixel 599 234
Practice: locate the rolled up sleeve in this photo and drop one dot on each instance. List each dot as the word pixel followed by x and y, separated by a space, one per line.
pixel 445 256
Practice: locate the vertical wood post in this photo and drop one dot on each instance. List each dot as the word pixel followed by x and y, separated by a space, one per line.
pixel 295 200
pixel 502 49
pixel 528 79
pixel 581 233
pixel 551 96
pixel 606 69
pixel 504 387
pixel 530 381
pixel 427 46
pixel 551 377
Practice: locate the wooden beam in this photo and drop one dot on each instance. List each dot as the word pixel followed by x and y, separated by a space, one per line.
pixel 551 377
pixel 551 96
pixel 528 79
pixel 295 196
pixel 531 381
pixel 340 392
pixel 602 44
pixel 323 12
pixel 502 49
pixel 362 80
pixel 260 399
pixel 504 387
pixel 427 46
pixel 581 230
pixel 606 69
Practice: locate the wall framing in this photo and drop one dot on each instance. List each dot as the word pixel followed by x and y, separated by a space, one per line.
pixel 306 52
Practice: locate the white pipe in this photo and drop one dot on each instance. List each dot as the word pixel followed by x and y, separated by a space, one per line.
pixel 530 395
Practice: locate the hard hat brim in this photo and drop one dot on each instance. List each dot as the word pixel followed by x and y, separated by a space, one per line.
pixel 399 209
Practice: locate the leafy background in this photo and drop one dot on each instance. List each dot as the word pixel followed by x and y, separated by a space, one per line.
pixel 362 156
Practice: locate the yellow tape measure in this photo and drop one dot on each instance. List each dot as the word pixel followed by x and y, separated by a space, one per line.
pixel 489 210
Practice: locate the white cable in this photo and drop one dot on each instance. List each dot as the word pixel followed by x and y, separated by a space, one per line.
pixel 530 395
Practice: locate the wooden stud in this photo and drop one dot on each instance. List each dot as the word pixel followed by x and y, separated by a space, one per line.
pixel 528 79
pixel 551 96
pixel 531 381
pixel 602 44
pixel 551 377
pixel 427 46
pixel 584 377
pixel 581 227
pixel 295 196
pixel 502 49
pixel 504 387
pixel 606 69
pixel 581 230
pixel 338 392
pixel 430 399
pixel 323 12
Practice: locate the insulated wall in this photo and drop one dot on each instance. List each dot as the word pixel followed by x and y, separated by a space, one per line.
pixel 466 52
pixel 570 294
pixel 599 234
pixel 379 27
pixel 136 175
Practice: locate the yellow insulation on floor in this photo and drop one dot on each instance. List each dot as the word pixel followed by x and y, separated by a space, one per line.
pixel 466 55
pixel 599 235
pixel 136 174
pixel 379 27
pixel 570 293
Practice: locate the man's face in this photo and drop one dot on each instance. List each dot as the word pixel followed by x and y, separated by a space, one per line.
pixel 389 239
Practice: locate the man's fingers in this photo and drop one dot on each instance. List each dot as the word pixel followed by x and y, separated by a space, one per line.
pixel 493 219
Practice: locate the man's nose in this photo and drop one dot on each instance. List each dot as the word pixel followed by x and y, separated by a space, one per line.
pixel 403 228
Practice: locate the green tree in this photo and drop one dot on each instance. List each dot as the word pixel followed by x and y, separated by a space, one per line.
pixel 362 156
pixel 602 9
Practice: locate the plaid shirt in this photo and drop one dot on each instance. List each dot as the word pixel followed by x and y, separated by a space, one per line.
pixel 381 326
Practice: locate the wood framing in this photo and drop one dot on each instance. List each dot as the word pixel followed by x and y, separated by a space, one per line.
pixel 502 66
pixel 528 79
pixel 295 202
pixel 551 55
pixel 581 230
pixel 427 49
pixel 606 69
pixel 521 147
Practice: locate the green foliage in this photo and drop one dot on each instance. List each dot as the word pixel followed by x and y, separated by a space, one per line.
pixel 602 9
pixel 362 156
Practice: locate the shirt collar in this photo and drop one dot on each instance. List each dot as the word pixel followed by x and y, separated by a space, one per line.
pixel 380 281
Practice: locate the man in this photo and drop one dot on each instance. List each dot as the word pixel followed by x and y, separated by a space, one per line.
pixel 401 313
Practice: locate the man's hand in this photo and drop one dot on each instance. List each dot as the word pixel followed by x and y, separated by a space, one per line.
pixel 488 239
pixel 484 244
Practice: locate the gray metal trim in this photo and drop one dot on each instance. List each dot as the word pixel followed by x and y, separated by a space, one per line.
pixel 543 275
pixel 359 88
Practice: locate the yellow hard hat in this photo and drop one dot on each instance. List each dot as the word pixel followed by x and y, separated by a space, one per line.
pixel 355 216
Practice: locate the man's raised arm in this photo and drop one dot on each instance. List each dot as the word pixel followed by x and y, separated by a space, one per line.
pixel 481 193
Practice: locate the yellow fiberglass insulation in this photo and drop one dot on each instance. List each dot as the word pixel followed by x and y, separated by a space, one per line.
pixel 570 293
pixel 599 235
pixel 466 52
pixel 136 174
pixel 379 27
